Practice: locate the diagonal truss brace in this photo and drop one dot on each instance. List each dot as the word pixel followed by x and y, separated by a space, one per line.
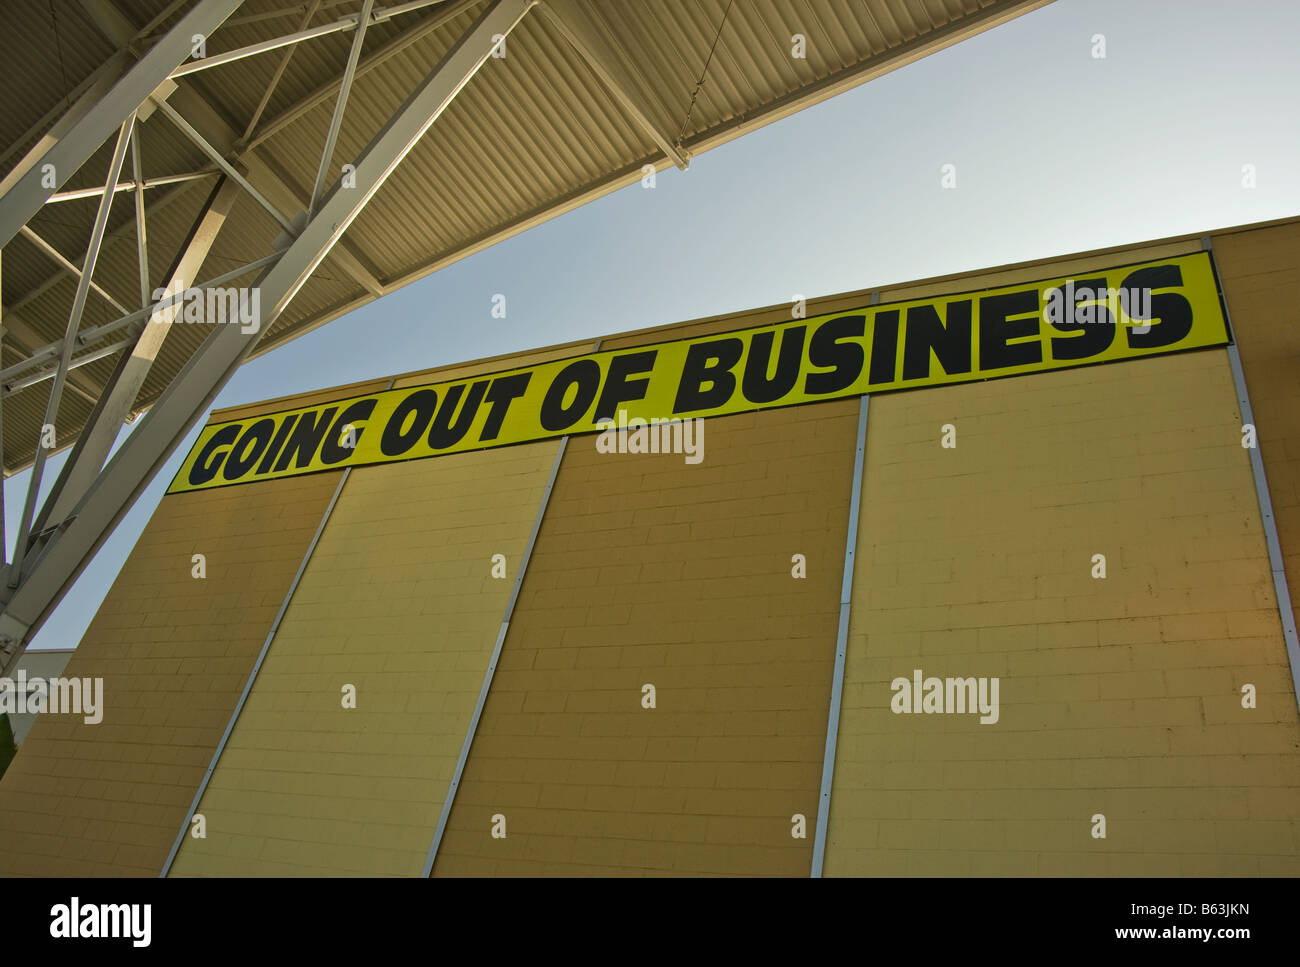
pixel 44 582
pixel 609 64
pixel 74 323
pixel 61 159
pixel 111 411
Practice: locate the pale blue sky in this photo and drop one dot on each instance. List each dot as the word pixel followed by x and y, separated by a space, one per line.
pixel 1055 152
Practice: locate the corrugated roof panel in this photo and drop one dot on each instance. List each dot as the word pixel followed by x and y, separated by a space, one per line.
pixel 529 124
pixel 71 49
pixel 530 135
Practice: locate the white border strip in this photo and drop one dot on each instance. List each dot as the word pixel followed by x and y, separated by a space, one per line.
pixel 252 675
pixel 841 645
pixel 1281 590
pixel 450 799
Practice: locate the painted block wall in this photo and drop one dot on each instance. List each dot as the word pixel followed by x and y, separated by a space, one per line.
pixel 174 653
pixel 648 570
pixel 398 601
pixel 1260 274
pixel 1118 696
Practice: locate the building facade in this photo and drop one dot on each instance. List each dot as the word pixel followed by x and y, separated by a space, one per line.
pixel 970 576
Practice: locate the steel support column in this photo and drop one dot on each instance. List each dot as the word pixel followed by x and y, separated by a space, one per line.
pixel 74 323
pixel 100 432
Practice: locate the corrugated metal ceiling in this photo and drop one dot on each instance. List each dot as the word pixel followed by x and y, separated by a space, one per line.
pixel 533 134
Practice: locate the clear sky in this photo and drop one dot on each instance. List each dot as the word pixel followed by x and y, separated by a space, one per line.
pixel 1056 151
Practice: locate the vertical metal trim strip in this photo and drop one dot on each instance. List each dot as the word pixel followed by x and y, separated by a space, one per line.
pixel 450 799
pixel 257 666
pixel 841 644
pixel 1281 590
pixel 459 771
pixel 252 675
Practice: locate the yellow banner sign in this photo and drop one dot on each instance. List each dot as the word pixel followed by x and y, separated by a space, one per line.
pixel 1101 316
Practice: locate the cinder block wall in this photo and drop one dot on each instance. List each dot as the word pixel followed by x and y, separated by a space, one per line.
pixel 1118 696
pixel 174 653
pixel 399 601
pixel 1260 274
pixel 651 571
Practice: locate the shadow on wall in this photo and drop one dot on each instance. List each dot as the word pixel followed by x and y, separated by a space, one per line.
pixel 7 747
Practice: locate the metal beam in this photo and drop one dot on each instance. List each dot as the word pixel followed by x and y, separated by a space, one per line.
pixel 263 175
pixel 219 160
pixel 78 361
pixel 100 433
pixel 170 196
pixel 323 93
pixel 77 193
pixel 275 43
pixel 74 323
pixel 68 265
pixel 280 68
pixel 25 338
pixel 47 172
pixel 9 376
pixel 340 105
pixel 212 365
pixel 281 13
pixel 141 230
pixel 841 640
pixel 162 15
pixel 609 63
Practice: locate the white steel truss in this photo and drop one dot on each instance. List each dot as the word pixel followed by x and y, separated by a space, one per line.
pixel 155 69
pixel 89 498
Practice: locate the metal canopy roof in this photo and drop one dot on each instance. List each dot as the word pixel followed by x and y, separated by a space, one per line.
pixel 535 135
pixel 229 151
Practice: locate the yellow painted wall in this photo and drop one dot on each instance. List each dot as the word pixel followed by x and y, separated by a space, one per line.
pixel 1260 274
pixel 174 653
pixel 398 600
pixel 1119 696
pixel 649 570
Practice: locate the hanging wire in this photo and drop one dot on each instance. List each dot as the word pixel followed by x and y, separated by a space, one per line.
pixel 700 84
pixel 58 50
